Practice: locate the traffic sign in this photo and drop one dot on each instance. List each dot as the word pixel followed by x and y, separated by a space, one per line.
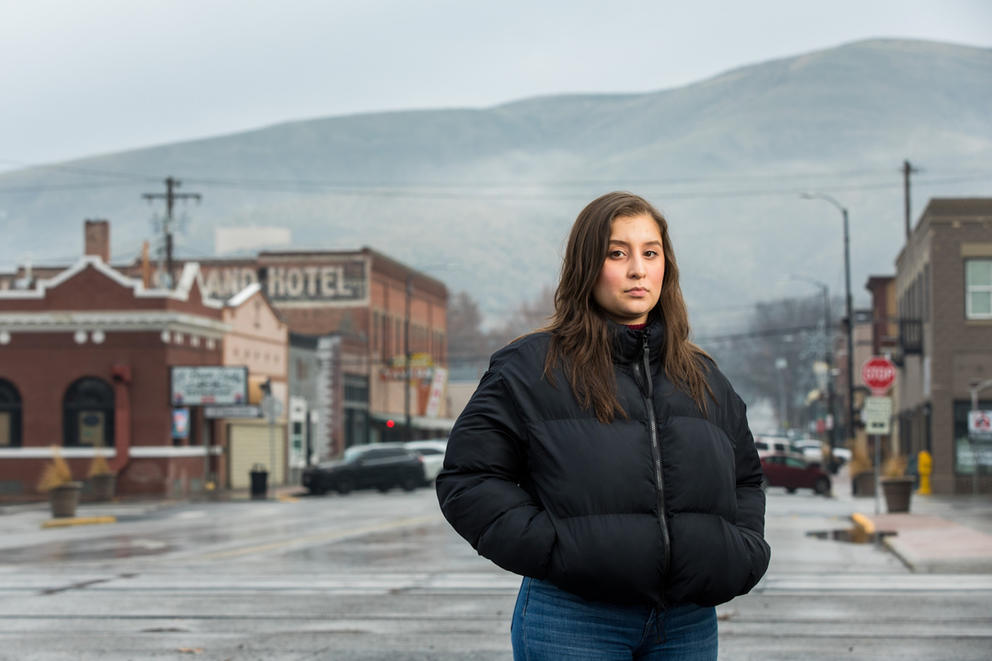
pixel 980 425
pixel 876 413
pixel 878 373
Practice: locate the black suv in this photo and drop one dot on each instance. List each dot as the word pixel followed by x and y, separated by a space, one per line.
pixel 377 465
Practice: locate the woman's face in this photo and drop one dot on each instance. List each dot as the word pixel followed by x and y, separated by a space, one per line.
pixel 629 283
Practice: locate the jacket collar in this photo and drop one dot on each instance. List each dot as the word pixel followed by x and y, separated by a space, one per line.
pixel 628 343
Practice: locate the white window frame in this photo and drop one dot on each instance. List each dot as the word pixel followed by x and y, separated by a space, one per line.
pixel 970 289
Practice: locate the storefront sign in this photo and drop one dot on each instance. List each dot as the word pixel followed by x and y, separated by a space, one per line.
pixel 242 411
pixel 193 386
pixel 421 368
pixel 438 383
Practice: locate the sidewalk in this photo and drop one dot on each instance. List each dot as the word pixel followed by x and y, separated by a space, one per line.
pixel 940 534
pixel 30 514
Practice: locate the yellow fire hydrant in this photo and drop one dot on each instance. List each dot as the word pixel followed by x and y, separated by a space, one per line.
pixel 924 465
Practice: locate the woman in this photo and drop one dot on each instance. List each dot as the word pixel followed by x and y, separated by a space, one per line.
pixel 609 462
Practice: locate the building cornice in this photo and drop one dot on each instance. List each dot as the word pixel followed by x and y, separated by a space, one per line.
pixel 132 321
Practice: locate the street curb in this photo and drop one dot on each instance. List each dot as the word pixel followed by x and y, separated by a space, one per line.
pixel 78 521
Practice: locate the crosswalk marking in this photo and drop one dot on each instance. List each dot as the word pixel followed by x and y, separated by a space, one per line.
pixel 879 582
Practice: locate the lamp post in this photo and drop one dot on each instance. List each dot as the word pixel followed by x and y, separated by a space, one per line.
pixel 783 416
pixel 847 307
pixel 828 354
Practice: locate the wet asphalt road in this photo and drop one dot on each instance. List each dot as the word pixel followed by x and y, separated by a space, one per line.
pixel 381 576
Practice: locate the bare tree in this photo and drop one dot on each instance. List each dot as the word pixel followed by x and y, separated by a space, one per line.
pixel 528 317
pixel 467 344
pixel 773 357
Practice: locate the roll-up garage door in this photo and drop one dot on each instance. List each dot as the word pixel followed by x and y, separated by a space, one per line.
pixel 249 444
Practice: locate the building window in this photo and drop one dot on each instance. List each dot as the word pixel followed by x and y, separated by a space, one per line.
pixel 978 288
pixel 88 413
pixel 10 415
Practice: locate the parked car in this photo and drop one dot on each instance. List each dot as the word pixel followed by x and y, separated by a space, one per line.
pixel 791 472
pixel 768 445
pixel 842 455
pixel 810 448
pixel 432 451
pixel 375 466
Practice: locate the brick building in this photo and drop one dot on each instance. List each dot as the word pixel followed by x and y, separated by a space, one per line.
pixel 943 290
pixel 257 339
pixel 85 362
pixel 384 312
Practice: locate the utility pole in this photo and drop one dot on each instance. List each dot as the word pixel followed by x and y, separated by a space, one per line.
pixel 907 170
pixel 170 196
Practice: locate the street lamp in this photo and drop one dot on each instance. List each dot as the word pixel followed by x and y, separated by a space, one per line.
pixel 847 306
pixel 828 356
pixel 781 364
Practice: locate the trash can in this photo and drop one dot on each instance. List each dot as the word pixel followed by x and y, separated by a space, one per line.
pixel 259 482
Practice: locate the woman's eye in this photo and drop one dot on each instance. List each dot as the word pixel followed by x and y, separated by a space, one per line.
pixel 651 253
pixel 616 253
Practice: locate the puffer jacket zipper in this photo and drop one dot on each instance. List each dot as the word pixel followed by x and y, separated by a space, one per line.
pixel 643 369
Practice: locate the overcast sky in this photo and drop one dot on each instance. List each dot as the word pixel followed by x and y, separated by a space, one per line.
pixel 85 78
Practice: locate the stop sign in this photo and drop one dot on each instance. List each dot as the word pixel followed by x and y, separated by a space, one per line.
pixel 878 374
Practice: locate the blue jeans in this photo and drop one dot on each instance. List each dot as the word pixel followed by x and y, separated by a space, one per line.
pixel 550 624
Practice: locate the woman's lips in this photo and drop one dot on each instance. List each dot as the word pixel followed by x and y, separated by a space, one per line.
pixel 637 291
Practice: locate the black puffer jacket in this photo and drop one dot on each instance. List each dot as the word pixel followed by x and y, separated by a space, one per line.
pixel 540 487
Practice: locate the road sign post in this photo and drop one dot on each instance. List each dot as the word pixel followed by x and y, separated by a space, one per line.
pixel 878 373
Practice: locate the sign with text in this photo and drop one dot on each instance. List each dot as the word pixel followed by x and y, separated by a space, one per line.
pixel 326 280
pixel 980 425
pixel 195 386
pixel 876 414
pixel 878 374
pixel 233 411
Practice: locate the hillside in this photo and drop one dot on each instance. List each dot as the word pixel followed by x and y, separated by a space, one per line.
pixel 483 198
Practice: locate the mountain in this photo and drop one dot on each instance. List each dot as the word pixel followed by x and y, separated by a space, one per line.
pixel 483 198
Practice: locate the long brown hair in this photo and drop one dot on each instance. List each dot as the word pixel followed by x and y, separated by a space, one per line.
pixel 580 340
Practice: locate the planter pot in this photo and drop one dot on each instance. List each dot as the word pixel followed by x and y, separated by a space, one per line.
pixel 101 487
pixel 897 491
pixel 64 499
pixel 863 484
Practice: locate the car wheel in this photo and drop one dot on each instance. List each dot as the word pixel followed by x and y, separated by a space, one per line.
pixel 383 488
pixel 822 486
pixel 343 487
pixel 410 483
pixel 790 490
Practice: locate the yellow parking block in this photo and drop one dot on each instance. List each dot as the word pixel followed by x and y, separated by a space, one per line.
pixel 864 527
pixel 78 521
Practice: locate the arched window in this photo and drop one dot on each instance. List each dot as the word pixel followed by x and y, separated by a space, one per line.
pixel 88 413
pixel 10 415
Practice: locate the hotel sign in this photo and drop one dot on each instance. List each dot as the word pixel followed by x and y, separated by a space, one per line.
pixel 321 281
